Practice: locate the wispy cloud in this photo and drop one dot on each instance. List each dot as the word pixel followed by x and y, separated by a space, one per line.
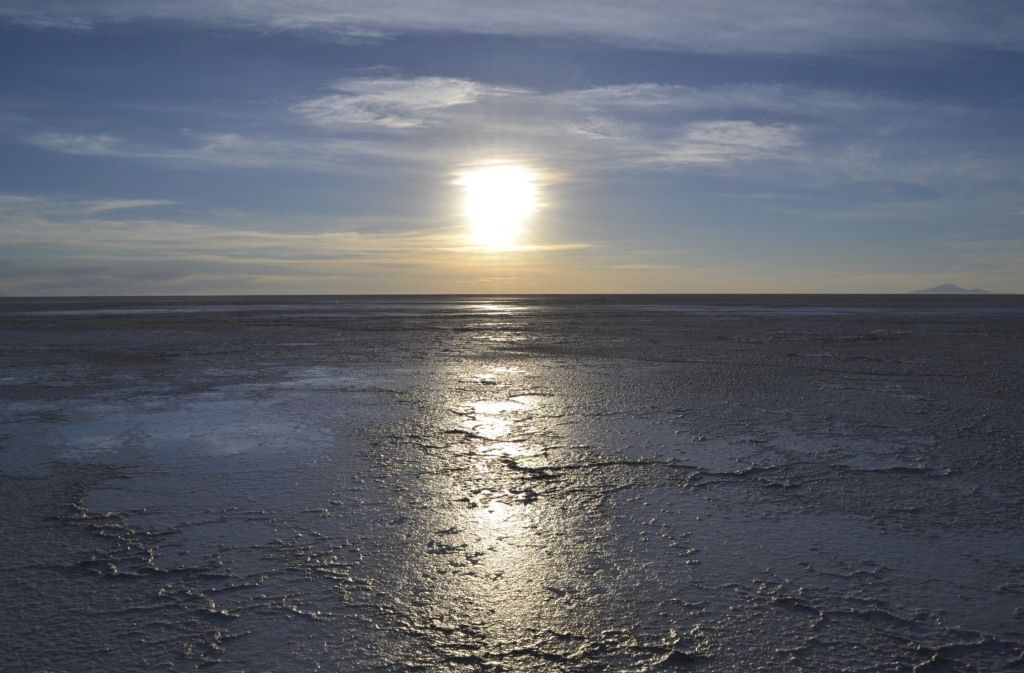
pixel 393 102
pixel 73 143
pixel 600 124
pixel 748 26
pixel 231 149
pixel 71 224
pixel 68 226
pixel 432 123
pixel 76 246
pixel 18 208
pixel 80 246
pixel 653 98
pixel 122 204
pixel 728 142
pixel 591 125
pixel 642 267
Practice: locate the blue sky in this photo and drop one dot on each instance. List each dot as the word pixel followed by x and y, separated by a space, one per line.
pixel 315 146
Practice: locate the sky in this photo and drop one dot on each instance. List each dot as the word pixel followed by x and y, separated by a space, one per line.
pixel 670 146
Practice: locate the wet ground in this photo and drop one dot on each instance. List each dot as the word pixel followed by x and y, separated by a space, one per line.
pixel 512 484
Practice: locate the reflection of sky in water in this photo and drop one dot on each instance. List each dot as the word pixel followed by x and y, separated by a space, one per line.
pixel 265 424
pixel 199 429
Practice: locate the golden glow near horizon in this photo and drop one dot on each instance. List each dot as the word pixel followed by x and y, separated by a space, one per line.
pixel 497 202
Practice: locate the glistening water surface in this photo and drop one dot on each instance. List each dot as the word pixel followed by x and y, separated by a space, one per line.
pixel 512 484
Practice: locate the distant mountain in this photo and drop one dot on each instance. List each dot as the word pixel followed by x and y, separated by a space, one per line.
pixel 949 288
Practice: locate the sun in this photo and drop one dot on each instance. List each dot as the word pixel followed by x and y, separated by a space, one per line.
pixel 497 202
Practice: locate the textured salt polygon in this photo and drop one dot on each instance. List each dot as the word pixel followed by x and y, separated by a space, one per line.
pixel 546 484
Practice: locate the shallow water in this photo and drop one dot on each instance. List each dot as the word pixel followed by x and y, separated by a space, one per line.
pixel 512 484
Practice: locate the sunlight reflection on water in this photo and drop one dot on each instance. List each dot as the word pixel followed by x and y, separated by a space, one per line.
pixel 562 489
pixel 501 562
pixel 495 308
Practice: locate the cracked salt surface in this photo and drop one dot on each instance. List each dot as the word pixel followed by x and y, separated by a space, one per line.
pixel 543 484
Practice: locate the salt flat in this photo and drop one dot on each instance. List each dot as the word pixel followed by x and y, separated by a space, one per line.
pixel 512 483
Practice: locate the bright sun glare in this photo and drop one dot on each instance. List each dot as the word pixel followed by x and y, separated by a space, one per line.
pixel 498 201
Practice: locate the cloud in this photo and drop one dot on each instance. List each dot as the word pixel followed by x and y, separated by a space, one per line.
pixel 80 246
pixel 597 127
pixel 78 224
pixel 65 246
pixel 643 267
pixel 727 142
pixel 70 143
pixel 393 102
pixel 397 124
pixel 30 210
pixel 122 204
pixel 747 26
pixel 651 99
pixel 601 129
pixel 230 149
pixel 602 123
pixel 59 227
